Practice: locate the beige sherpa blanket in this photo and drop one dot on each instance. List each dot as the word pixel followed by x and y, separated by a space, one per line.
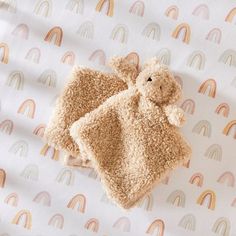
pixel 132 139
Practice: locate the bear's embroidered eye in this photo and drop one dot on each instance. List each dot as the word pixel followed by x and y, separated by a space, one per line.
pixel 149 79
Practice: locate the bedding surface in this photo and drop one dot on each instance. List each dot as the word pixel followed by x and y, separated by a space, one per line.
pixel 41 40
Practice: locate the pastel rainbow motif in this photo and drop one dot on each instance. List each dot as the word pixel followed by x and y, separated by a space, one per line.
pixel 79 200
pixel 44 198
pixel 23 217
pixel 179 80
pixel 210 85
pixel 188 106
pixel 33 55
pixel 230 16
pixel 222 227
pixel 153 31
pixel 228 57
pixel 21 31
pixel 16 80
pixel 214 152
pixel 223 109
pixel 75 5
pixel 204 127
pixel 137 8
pixel 229 127
pixel 164 56
pixel 30 172
pixel 182 31
pixel 28 107
pixel 177 198
pixel 5 53
pixel 20 148
pixel 43 7
pixel 123 223
pixel 109 8
pixel 65 176
pixel 209 197
pixel 53 152
pixel 92 224
pixel 157 227
pixel 68 58
pixel 6 126
pixel 227 177
pixel 48 78
pixel 12 199
pixel 146 203
pixel 55 34
pixel 39 130
pixel 214 35
pixel 196 60
pixel 2 178
pixel 202 10
pixel 120 33
pixel 188 222
pixel 98 55
pixel 56 221
pixel 197 179
pixel 86 30
pixel 8 5
pixel 172 12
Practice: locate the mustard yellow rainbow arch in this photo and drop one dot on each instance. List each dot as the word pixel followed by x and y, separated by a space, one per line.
pixel 223 108
pixel 122 223
pixel 2 178
pixel 187 32
pixel 56 33
pixel 5 53
pixel 39 130
pixel 27 220
pixel 211 84
pixel 6 126
pixel 12 199
pixel 230 16
pixel 228 127
pixel 79 198
pixel 137 8
pixel 43 7
pixel 100 54
pixel 57 221
pixel 212 199
pixel 29 105
pixel 172 12
pixel 110 6
pixel 197 179
pixel 68 58
pixel 92 224
pixel 158 225
pixel 222 226
pixel 46 148
pixel 227 176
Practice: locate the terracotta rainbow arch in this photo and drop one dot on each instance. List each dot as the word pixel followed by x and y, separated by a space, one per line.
pixel 223 109
pixel 230 16
pixel 222 227
pixel 30 172
pixel 33 55
pixel 99 55
pixel 20 148
pixel 211 199
pixel 5 53
pixel 2 178
pixel 92 224
pixel 202 10
pixel 25 217
pixel 203 125
pixel 77 5
pixel 146 203
pixel 22 31
pixel 214 152
pixel 137 8
pixel 123 223
pixel 177 198
pixel 228 127
pixel 28 107
pixel 188 106
pixel 214 35
pixel 153 31
pixel 39 130
pixel 184 27
pixel 227 177
pixel 12 199
pixel 79 200
pixel 43 7
pixel 157 225
pixel 43 197
pixel 66 176
pixel 109 7
pixel 164 56
pixel 120 33
pixel 197 179
pixel 6 126
pixel 48 78
pixel 228 57
pixel 86 30
pixel 16 80
pixel 55 33
pixel 57 221
pixel 188 222
pixel 46 149
pixel 196 60
pixel 172 12
pixel 210 85
pixel 68 58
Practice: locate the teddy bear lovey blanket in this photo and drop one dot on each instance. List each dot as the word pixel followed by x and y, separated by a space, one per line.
pixel 133 139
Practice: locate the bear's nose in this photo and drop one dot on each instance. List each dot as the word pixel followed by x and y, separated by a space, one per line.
pixel 149 79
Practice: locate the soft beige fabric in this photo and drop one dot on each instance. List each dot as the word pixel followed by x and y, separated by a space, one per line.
pixel 132 138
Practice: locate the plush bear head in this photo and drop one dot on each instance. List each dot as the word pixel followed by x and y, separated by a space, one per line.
pixel 156 83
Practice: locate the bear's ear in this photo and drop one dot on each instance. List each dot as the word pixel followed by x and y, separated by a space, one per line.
pixel 133 58
pixel 151 62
